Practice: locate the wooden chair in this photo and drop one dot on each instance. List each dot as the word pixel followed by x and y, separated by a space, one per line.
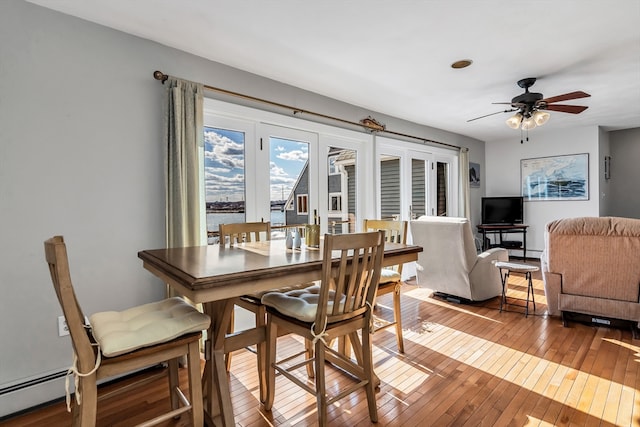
pixel 391 277
pixel 100 353
pixel 340 306
pixel 232 235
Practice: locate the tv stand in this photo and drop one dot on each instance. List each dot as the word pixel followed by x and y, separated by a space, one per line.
pixel 501 229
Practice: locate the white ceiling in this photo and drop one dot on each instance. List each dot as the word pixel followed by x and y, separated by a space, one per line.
pixel 394 57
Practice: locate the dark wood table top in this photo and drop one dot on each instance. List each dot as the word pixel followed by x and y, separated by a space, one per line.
pixel 207 273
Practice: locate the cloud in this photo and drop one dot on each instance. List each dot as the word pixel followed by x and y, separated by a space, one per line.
pixel 222 152
pixel 277 170
pixel 295 155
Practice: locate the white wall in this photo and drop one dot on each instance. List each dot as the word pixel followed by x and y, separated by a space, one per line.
pixel 81 155
pixel 503 175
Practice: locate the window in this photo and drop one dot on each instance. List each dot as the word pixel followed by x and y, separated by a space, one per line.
pixel 342 187
pixel 288 175
pixel 333 166
pixel 224 177
pixel 302 207
pixel 335 203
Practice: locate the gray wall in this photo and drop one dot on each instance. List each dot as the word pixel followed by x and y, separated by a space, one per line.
pixel 625 173
pixel 81 155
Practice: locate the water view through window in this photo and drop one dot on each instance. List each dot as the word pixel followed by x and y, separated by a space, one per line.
pixel 225 178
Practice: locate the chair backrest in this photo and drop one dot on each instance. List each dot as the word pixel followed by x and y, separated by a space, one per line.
pixel 448 256
pixel 350 273
pixel 233 234
pixel 56 256
pixel 394 232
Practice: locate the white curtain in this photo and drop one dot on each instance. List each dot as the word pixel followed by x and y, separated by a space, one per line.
pixel 184 186
pixel 464 202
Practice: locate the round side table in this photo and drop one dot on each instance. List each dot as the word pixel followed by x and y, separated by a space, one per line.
pixel 506 268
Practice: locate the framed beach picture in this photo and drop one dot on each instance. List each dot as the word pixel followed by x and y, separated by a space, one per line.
pixel 563 177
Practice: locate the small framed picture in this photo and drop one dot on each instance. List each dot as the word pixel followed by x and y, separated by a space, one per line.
pixel 474 175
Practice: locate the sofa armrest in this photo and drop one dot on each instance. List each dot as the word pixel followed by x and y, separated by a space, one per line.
pixel 552 290
pixel 485 277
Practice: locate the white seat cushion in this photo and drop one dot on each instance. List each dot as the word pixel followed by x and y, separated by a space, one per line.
pixel 120 332
pixel 388 275
pixel 301 304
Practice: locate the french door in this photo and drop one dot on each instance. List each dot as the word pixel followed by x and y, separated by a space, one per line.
pixel 415 182
pixel 258 172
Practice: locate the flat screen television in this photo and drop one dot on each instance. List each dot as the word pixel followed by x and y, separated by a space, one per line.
pixel 503 210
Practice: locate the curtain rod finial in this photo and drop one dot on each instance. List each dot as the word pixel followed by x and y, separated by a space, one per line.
pixel 159 75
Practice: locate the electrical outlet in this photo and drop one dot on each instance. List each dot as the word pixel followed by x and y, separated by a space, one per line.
pixel 62 326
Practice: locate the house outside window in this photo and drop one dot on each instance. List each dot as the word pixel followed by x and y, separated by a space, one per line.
pixel 334 169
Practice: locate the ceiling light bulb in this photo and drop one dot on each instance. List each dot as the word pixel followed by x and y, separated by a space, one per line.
pixel 514 121
pixel 528 123
pixel 541 117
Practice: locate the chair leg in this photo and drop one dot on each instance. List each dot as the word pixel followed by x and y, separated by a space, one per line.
pixel 261 351
pixel 356 345
pixel 321 392
pixel 309 355
pixel 230 329
pixel 172 374
pixel 397 318
pixel 272 336
pixel 195 384
pixel 367 358
pixel 85 414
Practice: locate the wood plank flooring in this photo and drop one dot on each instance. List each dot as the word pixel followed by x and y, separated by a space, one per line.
pixel 464 365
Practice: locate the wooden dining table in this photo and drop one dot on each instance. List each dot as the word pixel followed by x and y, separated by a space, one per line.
pixel 215 276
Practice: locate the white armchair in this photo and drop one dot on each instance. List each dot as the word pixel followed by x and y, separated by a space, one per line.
pixel 450 263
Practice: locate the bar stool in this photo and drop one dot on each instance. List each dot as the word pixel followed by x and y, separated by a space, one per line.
pixel 526 269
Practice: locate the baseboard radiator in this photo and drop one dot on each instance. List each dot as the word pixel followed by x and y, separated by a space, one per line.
pixel 32 382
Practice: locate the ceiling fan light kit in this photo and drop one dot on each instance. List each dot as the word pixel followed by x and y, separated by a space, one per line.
pixel 530 106
pixel 514 121
pixel 541 117
pixel 528 123
pixel 538 118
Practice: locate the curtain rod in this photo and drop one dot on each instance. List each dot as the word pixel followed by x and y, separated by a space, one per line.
pixel 159 75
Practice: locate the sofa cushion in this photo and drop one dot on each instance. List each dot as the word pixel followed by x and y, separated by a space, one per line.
pixel 120 332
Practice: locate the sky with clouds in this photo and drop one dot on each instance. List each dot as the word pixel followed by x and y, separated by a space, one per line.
pixel 224 165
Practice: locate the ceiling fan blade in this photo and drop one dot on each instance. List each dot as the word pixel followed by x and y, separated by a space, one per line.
pixel 492 114
pixel 573 109
pixel 566 97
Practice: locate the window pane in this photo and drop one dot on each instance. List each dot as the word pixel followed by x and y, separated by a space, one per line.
pixel 224 178
pixel 289 179
pixel 418 188
pixel 442 179
pixel 342 190
pixel 390 187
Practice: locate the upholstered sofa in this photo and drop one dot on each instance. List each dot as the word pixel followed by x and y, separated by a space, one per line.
pixel 450 264
pixel 591 265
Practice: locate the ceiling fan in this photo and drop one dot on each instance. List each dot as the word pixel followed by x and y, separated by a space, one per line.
pixel 531 106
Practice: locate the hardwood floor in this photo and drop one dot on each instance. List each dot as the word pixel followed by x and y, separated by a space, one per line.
pixel 464 365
